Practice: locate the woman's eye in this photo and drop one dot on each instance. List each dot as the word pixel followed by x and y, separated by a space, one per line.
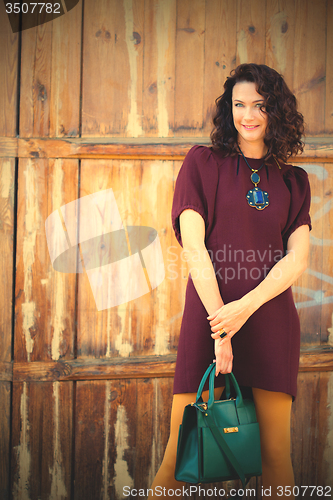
pixel 238 104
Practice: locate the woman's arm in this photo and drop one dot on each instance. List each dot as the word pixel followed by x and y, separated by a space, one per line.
pixel 192 227
pixel 232 316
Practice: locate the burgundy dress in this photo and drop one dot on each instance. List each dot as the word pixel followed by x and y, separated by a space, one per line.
pixel 244 244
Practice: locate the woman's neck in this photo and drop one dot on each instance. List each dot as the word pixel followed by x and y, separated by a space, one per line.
pixel 253 150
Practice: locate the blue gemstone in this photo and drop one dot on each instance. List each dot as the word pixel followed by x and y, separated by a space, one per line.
pixel 255 178
pixel 258 197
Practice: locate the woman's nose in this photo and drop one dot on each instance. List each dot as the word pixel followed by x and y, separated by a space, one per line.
pixel 248 114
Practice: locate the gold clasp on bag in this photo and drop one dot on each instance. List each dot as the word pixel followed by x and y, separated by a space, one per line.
pixel 227 430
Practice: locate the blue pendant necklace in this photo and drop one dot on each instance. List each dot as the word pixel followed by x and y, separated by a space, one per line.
pixel 256 197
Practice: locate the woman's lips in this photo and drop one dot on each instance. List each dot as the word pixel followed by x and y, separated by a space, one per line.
pixel 250 127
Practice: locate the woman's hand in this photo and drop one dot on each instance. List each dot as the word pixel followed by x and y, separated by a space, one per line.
pixel 231 317
pixel 224 357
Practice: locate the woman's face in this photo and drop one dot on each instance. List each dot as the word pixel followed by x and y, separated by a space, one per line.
pixel 249 120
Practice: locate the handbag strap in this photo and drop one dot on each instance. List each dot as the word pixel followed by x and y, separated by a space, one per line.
pixel 225 448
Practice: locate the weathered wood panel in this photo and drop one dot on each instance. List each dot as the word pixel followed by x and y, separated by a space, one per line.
pixel 280 30
pixel 220 53
pixel 310 63
pixel 66 74
pixel 143 193
pixel 329 70
pixel 8 76
pixel 42 440
pixel 7 182
pixel 189 67
pixel 50 77
pixel 311 431
pixel 45 299
pixel 112 68
pixel 159 67
pixel 5 409
pixel 113 420
pixel 251 35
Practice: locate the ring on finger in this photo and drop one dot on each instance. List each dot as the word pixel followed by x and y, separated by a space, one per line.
pixel 222 333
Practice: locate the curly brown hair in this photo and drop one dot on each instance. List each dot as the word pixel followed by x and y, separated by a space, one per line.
pixel 285 125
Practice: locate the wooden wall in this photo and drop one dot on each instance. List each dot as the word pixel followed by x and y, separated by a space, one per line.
pixel 112 95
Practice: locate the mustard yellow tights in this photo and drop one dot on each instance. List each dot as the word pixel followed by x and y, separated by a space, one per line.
pixel 273 414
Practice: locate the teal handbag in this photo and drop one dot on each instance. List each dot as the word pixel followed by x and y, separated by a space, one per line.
pixel 218 440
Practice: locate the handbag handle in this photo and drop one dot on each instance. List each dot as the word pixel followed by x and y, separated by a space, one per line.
pixel 228 376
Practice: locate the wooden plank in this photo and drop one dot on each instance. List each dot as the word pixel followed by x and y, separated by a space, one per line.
pixel 8 76
pixel 250 32
pixel 304 425
pixel 143 193
pixel 309 65
pixel 65 74
pixel 35 80
pixel 325 214
pixel 42 440
pixel 159 67
pixel 96 369
pixel 220 53
pixel 112 67
pixel 5 405
pixel 329 70
pixel 189 67
pixel 316 148
pixel 311 427
pixel 6 372
pixel 8 147
pixel 308 289
pixel 105 438
pixel 45 298
pixel 280 30
pixel 7 189
pixel 312 359
pixel 154 398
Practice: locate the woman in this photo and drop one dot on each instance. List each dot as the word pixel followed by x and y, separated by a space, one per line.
pixel 242 215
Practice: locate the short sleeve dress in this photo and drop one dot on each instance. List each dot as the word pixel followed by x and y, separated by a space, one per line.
pixel 244 244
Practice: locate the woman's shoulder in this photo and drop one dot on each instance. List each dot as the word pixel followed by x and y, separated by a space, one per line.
pixel 205 156
pixel 295 178
pixel 292 172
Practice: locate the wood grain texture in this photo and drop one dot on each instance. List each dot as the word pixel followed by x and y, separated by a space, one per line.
pixel 112 68
pixel 7 187
pixel 5 408
pixel 143 148
pixel 280 31
pixel 189 67
pixel 315 359
pixel 308 288
pixel 42 440
pixel 220 53
pixel 105 438
pixel 6 371
pixel 65 74
pixel 329 70
pixel 325 214
pixel 309 66
pixel 45 299
pixel 310 428
pixel 143 193
pixel 159 67
pixel 8 76
pixel 251 24
pixel 103 369
pixel 35 80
